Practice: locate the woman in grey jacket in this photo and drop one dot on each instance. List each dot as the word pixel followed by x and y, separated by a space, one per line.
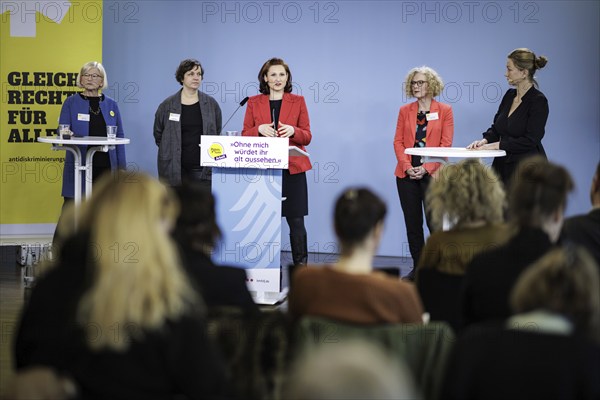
pixel 179 122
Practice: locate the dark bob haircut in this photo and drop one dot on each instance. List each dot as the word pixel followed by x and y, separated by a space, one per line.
pixel 185 66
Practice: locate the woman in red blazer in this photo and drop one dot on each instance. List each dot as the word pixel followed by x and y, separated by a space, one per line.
pixel 276 112
pixel 424 123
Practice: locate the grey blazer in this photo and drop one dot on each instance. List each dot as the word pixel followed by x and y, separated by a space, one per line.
pixel 167 134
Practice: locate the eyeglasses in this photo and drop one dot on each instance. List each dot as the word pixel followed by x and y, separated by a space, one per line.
pixel 93 76
pixel 418 83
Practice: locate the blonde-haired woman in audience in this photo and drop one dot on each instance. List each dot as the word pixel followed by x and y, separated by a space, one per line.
pixel 548 350
pixel 469 196
pixel 116 312
pixel 351 290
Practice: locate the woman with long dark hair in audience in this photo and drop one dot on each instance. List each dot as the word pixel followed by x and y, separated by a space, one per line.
pixel 537 200
pixel 116 312
pixel 196 233
pixel 350 290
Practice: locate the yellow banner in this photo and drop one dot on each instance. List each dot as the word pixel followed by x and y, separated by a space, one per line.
pixel 43 45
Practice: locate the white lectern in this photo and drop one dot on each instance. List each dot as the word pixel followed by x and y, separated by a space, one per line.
pixel 246 181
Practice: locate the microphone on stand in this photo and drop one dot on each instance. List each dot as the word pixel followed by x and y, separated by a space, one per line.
pixel 244 101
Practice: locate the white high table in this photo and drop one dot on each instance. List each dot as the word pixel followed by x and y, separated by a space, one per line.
pixel 440 154
pixel 97 143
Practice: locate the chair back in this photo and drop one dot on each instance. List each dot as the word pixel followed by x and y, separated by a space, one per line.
pixel 440 293
pixel 424 348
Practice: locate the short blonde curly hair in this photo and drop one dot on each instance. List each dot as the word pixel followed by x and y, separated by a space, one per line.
pixel 466 192
pixel 434 80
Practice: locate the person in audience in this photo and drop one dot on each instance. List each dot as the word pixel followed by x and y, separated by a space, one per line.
pixel 116 312
pixel 179 122
pixel 549 349
pixel 422 123
pixel 537 199
pixel 585 229
pixel 351 290
pixel 355 369
pixel 562 291
pixel 197 232
pixel 470 197
pixel 520 122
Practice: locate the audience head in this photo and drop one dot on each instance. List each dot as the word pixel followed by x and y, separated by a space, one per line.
pixel 186 66
pixel 564 281
pixel 538 195
pixel 196 226
pixel 358 211
pixel 466 192
pixel 434 81
pixel 526 60
pixel 262 75
pixel 137 278
pixel 353 369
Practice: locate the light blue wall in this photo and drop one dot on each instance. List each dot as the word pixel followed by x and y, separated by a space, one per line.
pixel 349 59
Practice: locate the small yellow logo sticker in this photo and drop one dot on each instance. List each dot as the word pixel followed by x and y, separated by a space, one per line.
pixel 216 151
pixel 112 113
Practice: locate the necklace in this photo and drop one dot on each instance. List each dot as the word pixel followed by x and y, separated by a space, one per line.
pixel 89 99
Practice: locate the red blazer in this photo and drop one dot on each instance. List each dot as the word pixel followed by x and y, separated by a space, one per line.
pixel 439 134
pixel 293 112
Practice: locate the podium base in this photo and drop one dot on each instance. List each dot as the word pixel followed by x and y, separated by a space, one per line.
pixel 269 298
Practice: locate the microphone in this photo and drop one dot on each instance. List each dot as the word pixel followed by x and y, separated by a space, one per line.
pixel 244 101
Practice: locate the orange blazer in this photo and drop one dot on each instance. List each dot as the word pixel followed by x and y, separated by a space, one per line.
pixel 293 112
pixel 439 134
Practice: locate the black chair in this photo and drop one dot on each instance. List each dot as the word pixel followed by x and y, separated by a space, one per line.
pixel 255 349
pixel 440 293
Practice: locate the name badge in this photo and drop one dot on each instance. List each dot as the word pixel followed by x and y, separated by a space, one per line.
pixel 173 117
pixel 83 117
pixel 432 116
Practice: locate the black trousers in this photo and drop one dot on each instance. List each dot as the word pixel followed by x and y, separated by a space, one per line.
pixel 412 199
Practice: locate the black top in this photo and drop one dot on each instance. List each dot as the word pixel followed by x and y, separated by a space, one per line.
pixel 494 363
pixel 491 275
pixel 521 134
pixel 191 130
pixel 97 127
pixel 275 110
pixel 421 133
pixel 584 230
pixel 219 285
pixel 179 359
